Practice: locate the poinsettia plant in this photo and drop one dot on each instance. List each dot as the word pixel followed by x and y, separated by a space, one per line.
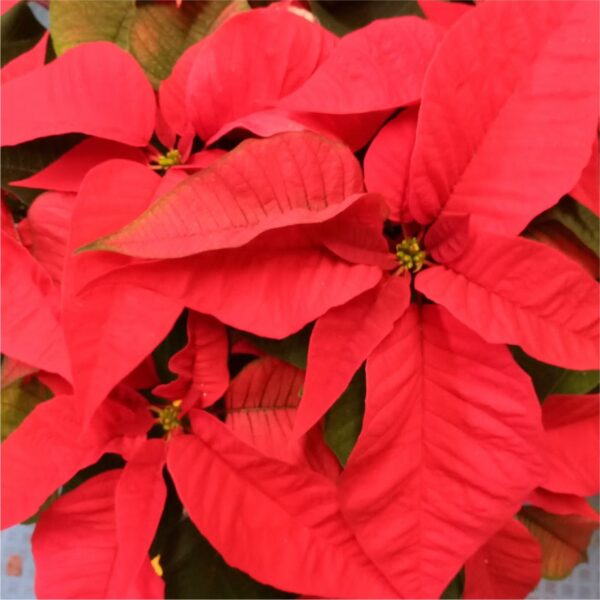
pixel 300 298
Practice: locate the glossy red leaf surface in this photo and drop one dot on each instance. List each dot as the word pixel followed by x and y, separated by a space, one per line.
pixel 261 185
pixel 201 366
pixel 505 148
pixel 508 566
pixel 449 449
pixel 442 12
pixel 341 341
pixel 517 291
pixel 75 547
pixel 271 52
pixel 80 95
pixel 572 435
pixel 378 67
pixel 294 535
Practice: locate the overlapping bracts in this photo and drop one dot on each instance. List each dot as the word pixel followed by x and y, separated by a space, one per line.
pixel 147 286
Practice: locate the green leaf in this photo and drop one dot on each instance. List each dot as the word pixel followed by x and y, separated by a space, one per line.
pixel 20 31
pixel 292 349
pixel 548 379
pixel 161 32
pixel 343 422
pixel 194 569
pixel 156 33
pixel 16 402
pixel 343 16
pixel 578 219
pixel 27 159
pixel 79 21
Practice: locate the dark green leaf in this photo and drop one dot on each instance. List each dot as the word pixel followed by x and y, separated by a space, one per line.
pixel 174 342
pixel 161 32
pixel 578 219
pixel 548 379
pixel 27 159
pixel 455 587
pixel 17 400
pixel 194 569
pixel 156 33
pixel 343 422
pixel 20 31
pixel 292 349
pixel 78 21
pixel 343 16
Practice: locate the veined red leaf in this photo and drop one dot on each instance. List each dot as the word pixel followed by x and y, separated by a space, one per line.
pixel 294 535
pixel 341 341
pixel 26 62
pixel 378 67
pixel 572 434
pixel 283 288
pixel 95 88
pixel 261 406
pixel 201 366
pixel 480 133
pixel 448 237
pixel 48 449
pixel 564 539
pixel 508 566
pixel 67 173
pixel 140 496
pixel 449 449
pixel 387 162
pixel 261 185
pixel 271 52
pixel 75 547
pixel 517 291
pixel 31 329
pixel 45 231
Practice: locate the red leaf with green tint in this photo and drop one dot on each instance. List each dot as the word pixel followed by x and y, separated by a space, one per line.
pixel 261 185
pixel 356 328
pixel 48 448
pixel 387 162
pixel 378 67
pixel 201 366
pixel 67 173
pixel 449 449
pixel 96 89
pixel 140 496
pixel 505 148
pixel 516 291
pixel 260 407
pixel 75 547
pixel 564 539
pixel 249 63
pixel 571 438
pixel 508 566
pixel 562 504
pixel 31 329
pixel 294 536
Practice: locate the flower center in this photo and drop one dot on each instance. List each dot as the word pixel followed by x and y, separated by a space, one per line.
pixel 168 160
pixel 168 417
pixel 410 255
